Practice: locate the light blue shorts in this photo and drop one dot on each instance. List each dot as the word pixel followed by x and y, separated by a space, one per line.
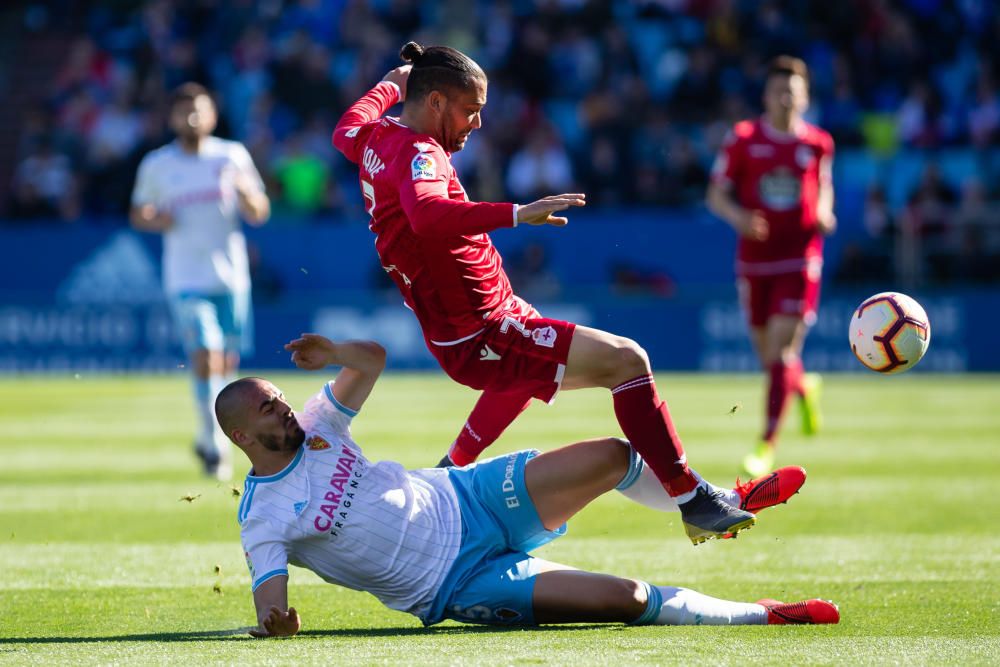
pixel 214 321
pixel 493 577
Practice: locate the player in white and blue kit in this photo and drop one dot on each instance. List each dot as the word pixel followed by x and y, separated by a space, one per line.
pixel 441 543
pixel 194 191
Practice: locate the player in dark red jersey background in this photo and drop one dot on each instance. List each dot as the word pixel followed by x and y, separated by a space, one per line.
pixel 433 242
pixel 772 183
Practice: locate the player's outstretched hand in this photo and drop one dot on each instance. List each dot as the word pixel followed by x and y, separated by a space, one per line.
pixel 399 76
pixel 278 623
pixel 540 212
pixel 753 225
pixel 312 352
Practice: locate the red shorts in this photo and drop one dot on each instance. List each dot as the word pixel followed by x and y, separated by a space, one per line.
pixel 522 352
pixel 795 294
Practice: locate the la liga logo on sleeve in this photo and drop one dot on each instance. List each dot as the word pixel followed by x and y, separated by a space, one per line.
pixel 423 168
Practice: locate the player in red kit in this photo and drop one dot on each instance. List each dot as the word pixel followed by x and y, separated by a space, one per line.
pixel 434 244
pixel 772 183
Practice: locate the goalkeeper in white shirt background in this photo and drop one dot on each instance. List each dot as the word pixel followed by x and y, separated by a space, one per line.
pixel 194 191
pixel 444 543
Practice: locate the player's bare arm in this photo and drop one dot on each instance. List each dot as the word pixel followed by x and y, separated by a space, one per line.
pixel 826 220
pixel 274 617
pixel 399 76
pixel 749 223
pixel 362 362
pixel 254 205
pixel 149 218
pixel 540 212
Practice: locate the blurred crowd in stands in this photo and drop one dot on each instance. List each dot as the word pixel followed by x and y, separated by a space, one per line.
pixel 625 100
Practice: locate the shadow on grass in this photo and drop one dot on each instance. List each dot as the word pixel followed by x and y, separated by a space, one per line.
pixel 241 634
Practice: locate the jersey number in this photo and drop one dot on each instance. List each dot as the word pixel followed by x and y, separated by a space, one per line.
pixel 368 191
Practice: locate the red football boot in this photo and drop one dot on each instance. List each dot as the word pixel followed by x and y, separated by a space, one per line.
pixel 771 489
pixel 807 612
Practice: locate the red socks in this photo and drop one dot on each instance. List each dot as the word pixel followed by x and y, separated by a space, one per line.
pixel 646 422
pixel 492 414
pixel 784 378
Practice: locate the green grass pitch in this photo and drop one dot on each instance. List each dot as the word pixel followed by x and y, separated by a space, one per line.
pixel 102 561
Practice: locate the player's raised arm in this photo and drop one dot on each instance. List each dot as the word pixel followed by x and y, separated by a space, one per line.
pixel 274 617
pixel 390 90
pixel 362 362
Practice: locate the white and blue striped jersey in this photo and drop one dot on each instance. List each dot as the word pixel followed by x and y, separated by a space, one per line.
pixel 368 526
pixel 205 251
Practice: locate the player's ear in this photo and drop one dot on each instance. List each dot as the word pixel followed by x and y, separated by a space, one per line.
pixel 436 101
pixel 239 437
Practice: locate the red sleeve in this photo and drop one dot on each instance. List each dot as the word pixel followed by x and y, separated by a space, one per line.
pixel 423 194
pixel 729 162
pixel 347 136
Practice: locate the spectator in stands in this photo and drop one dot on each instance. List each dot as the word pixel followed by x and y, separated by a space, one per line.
pixel 303 177
pixel 44 185
pixel 620 81
pixel 542 166
pixel 531 275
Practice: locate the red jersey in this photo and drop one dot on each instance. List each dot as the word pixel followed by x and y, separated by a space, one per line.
pixel 430 238
pixel 779 174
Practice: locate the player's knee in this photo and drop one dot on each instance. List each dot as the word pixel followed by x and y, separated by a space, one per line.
pixel 633 597
pixel 630 360
pixel 615 458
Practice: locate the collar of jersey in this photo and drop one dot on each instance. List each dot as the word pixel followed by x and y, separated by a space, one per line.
pixel 278 475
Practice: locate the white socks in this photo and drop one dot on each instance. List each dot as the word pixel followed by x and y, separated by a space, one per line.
pixel 669 605
pixel 209 433
pixel 641 485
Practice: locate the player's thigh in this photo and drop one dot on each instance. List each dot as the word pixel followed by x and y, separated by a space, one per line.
pixel 785 335
pixel 197 320
pixel 601 359
pixel 500 591
pixel 517 356
pixel 565 595
pixel 499 487
pixel 235 315
pixel 563 481
pixel 754 294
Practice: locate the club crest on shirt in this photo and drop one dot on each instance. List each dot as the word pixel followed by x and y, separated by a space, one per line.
pixel 422 168
pixel 316 443
pixel 546 336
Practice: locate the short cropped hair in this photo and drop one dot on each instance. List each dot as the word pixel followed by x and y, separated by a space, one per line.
pixel 788 66
pixel 188 92
pixel 436 68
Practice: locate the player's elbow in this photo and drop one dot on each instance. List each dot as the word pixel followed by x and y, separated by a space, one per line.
pixel 378 355
pixel 137 219
pixel 713 198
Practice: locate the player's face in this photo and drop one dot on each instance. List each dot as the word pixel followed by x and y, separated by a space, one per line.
pixel 195 118
pixel 461 115
pixel 785 96
pixel 272 421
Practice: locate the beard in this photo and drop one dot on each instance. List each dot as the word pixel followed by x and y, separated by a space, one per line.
pixel 288 442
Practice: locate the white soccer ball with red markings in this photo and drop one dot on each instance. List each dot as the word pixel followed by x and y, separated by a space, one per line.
pixel 890 332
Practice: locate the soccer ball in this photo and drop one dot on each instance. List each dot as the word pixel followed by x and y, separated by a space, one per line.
pixel 890 332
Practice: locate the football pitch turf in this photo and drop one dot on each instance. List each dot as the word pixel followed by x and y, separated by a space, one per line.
pixel 114 550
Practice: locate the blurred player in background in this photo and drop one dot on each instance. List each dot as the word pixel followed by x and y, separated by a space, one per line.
pixel 772 183
pixel 433 242
pixel 193 191
pixel 443 543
